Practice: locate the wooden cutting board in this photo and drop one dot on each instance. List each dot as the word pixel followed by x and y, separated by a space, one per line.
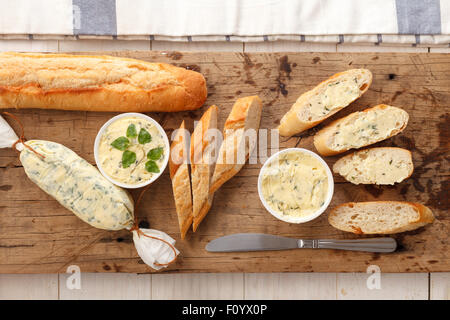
pixel 37 235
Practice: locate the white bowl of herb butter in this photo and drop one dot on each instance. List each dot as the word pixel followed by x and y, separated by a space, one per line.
pixel 295 185
pixel 131 150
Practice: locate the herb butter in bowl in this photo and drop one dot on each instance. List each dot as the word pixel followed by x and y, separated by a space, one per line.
pixel 295 185
pixel 131 150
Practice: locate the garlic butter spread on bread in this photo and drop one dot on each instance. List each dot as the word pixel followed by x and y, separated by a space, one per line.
pixel 324 100
pixel 360 129
pixel 77 185
pixel 380 217
pixel 295 184
pixel 381 166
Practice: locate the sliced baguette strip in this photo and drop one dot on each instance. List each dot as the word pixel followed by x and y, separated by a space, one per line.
pixel 181 182
pixel 203 149
pixel 240 133
pixel 327 98
pixel 380 217
pixel 97 83
pixel 360 129
pixel 376 166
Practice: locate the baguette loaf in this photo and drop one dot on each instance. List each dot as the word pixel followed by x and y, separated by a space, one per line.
pixel 181 182
pixel 360 129
pixel 203 153
pixel 376 166
pixel 324 100
pixel 380 217
pixel 97 83
pixel 240 134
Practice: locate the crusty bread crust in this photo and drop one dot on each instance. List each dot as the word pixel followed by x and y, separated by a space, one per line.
pixel 238 119
pixel 181 185
pixel 291 124
pixel 425 216
pixel 97 83
pixel 341 161
pixel 203 212
pixel 321 137
pixel 201 166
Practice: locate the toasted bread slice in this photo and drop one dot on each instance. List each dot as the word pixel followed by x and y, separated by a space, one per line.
pixel 327 98
pixel 240 135
pixel 203 153
pixel 380 217
pixel 181 182
pixel 376 166
pixel 360 129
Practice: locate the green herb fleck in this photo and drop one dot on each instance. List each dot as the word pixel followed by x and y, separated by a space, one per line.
pixel 144 136
pixel 128 158
pixel 131 131
pixel 121 143
pixel 155 153
pixel 390 162
pixel 151 166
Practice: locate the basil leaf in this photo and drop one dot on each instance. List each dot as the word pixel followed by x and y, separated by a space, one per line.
pixel 151 166
pixel 121 143
pixel 131 131
pixel 144 137
pixel 155 153
pixel 128 158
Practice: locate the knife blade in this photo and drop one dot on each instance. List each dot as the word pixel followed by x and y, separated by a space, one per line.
pixel 258 242
pixel 251 242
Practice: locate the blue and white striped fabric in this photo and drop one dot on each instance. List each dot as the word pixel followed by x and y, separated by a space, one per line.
pixel 368 21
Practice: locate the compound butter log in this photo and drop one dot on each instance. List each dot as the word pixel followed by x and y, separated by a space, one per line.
pixel 97 83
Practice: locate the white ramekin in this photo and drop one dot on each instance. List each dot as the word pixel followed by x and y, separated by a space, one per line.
pixel 311 216
pixel 166 153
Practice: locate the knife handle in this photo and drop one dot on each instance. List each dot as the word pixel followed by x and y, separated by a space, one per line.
pixel 368 245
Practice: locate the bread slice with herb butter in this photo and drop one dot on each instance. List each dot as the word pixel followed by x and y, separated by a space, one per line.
pixel 324 100
pixel 240 134
pixel 181 182
pixel 360 129
pixel 203 152
pixel 376 166
pixel 380 217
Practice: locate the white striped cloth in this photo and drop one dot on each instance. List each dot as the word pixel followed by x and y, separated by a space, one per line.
pixel 336 21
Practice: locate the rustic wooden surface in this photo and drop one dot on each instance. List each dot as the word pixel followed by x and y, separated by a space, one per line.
pixel 39 236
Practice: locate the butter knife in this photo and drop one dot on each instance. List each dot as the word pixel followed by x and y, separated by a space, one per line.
pixel 258 242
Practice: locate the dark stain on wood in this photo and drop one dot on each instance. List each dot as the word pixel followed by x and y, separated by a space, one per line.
pixel 376 256
pixel 374 190
pixel 6 187
pixel 143 224
pixel 315 60
pixel 396 94
pixel 285 66
pixel 106 267
pixel 392 76
pixel 248 65
pixel 282 87
pixel 193 67
pixel 175 55
pixel 404 189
